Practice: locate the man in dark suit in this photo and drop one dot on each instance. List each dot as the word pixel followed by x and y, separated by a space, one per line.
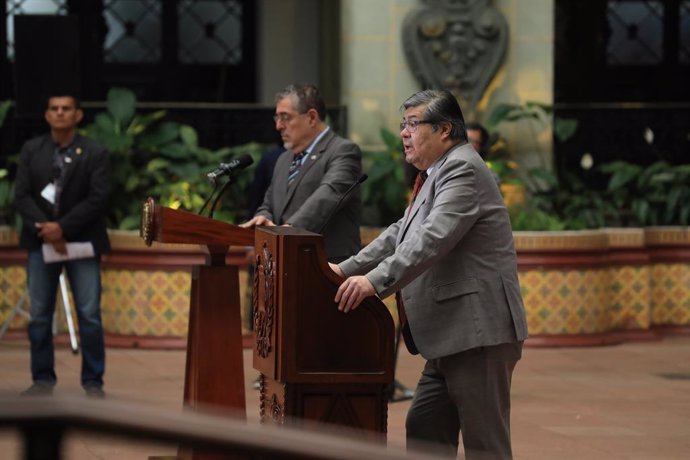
pixel 312 175
pixel 451 261
pixel 61 192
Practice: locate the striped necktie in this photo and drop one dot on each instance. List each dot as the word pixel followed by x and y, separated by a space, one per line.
pixel 295 165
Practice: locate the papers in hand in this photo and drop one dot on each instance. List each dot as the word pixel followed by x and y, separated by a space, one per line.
pixel 79 250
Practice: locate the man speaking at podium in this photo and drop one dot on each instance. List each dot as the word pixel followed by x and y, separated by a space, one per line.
pixel 451 262
pixel 312 177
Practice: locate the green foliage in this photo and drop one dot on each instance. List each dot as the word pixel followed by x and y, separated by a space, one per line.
pixel 498 158
pixel 514 112
pixel 560 204
pixel 384 194
pixel 656 195
pixel 635 196
pixel 4 108
pixel 6 198
pixel 563 128
pixel 7 212
pixel 162 159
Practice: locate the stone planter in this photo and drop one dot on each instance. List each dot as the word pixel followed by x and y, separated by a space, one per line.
pixel 580 288
pixel 603 286
pixel 145 299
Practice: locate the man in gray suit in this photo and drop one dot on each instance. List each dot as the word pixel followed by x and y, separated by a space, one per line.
pixel 312 176
pixel 452 262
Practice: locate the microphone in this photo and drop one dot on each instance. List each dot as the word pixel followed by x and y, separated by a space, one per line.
pixel 347 193
pixel 227 168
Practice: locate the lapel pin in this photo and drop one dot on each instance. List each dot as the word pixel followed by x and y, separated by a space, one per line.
pixel 68 160
pixel 78 150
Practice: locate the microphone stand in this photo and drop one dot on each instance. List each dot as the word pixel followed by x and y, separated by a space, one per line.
pixel 218 195
pixel 347 193
pixel 215 187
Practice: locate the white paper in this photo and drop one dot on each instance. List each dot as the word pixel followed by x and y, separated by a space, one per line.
pixel 48 193
pixel 79 250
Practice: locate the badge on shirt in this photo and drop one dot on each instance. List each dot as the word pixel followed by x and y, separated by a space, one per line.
pixel 48 193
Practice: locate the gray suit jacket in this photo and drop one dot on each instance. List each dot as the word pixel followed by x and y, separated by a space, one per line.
pixel 452 255
pixel 330 169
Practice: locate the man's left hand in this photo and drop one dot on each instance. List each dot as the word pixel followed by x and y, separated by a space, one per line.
pixel 352 292
pixel 50 232
pixel 60 247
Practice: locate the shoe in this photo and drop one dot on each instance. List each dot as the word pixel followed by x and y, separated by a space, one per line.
pixel 399 392
pixel 94 391
pixel 38 389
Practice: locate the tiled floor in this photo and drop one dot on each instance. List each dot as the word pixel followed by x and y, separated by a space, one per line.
pixel 629 401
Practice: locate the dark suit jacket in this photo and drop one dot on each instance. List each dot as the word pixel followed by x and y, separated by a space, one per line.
pixel 84 197
pixel 262 178
pixel 453 258
pixel 330 169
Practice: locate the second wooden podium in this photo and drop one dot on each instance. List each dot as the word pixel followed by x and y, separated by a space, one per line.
pixel 316 362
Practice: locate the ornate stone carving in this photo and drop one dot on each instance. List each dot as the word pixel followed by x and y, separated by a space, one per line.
pixel 263 317
pixel 455 44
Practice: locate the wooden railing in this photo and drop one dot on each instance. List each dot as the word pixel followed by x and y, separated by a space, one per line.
pixel 44 422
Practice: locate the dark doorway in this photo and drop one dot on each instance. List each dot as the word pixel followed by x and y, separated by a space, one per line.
pixel 622 70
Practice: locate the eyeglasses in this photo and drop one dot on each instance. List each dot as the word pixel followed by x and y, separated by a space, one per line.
pixel 285 117
pixel 411 125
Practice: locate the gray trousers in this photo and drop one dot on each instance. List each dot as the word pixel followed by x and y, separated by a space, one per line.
pixel 471 390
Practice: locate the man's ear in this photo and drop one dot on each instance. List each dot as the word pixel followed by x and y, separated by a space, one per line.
pixel 79 114
pixel 313 116
pixel 446 129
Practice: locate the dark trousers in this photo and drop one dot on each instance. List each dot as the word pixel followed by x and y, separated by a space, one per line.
pixel 85 280
pixel 471 390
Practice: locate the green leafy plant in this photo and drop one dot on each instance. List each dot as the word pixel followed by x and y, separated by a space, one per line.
pixel 499 159
pixel 4 108
pixel 384 194
pixel 154 157
pixel 6 198
pixel 8 215
pixel 658 194
pixel 560 203
pixel 563 128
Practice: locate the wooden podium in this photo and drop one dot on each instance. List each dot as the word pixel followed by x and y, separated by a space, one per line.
pixel 214 375
pixel 316 362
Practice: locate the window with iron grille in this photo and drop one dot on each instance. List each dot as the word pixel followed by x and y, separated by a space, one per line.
pixel 16 7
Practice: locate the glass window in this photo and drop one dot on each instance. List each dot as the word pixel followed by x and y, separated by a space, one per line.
pixel 684 39
pixel 16 7
pixel 134 31
pixel 636 33
pixel 210 32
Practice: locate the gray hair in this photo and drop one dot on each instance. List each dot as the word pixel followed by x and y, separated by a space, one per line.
pixel 304 97
pixel 440 107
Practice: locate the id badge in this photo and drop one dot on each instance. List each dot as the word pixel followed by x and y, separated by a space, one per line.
pixel 48 193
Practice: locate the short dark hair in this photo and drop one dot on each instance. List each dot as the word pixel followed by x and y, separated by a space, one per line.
pixel 478 127
pixel 307 97
pixel 77 102
pixel 440 106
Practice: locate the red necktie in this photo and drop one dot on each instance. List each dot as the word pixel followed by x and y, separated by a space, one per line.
pixel 418 182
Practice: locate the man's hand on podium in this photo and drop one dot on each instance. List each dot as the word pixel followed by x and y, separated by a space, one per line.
pixel 351 293
pixel 258 221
